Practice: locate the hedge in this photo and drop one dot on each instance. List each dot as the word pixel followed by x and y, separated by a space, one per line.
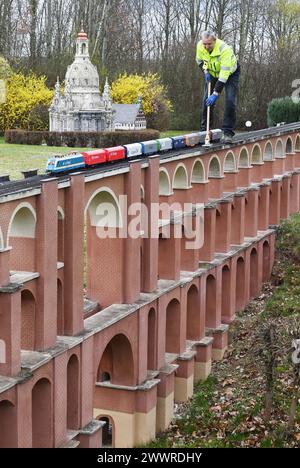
pixel 283 110
pixel 79 139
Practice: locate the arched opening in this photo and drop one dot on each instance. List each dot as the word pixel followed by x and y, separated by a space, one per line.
pixel 279 153
pixel 289 146
pixel 240 285
pixel 60 309
pixel 151 365
pixel 244 160
pixel 8 425
pixel 214 168
pixel 266 262
pixel 198 173
pixel 42 421
pixel 28 321
pixel 21 237
pixel 256 155
pixel 73 383
pixel 107 432
pixel 60 237
pixel 194 324
pixel 253 273
pixel 117 361
pixel 1 240
pixel 83 49
pixel 229 164
pixel 105 377
pixel 226 279
pixel 164 184
pixel 180 180
pixel 173 327
pixel 297 145
pixel 268 152
pixel 211 302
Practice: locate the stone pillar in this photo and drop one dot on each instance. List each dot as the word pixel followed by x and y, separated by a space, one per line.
pixel 165 397
pixel 229 295
pixel 264 207
pixel 73 271
pixel 150 243
pixel 290 161
pixel 203 359
pixel 295 192
pixel 207 252
pixel 285 197
pixel 132 264
pixel 184 380
pixel 10 330
pixel 238 219
pixel 46 251
pixel 275 200
pixel 4 266
pixel 170 255
pixel 244 177
pixel 251 225
pixel 223 227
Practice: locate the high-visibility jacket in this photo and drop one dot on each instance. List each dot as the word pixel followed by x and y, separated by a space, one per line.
pixel 221 63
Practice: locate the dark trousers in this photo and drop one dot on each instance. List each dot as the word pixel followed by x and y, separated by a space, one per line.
pixel 231 91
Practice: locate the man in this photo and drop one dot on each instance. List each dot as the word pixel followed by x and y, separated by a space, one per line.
pixel 222 69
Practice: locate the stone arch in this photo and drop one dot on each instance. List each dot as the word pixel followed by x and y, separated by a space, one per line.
pixel 104 209
pixel 164 183
pixel 289 146
pixel 60 234
pixel 108 431
pixel 73 388
pixel 180 179
pixel 28 321
pixel 214 167
pixel 42 420
pixel 256 155
pixel 173 327
pixel 8 426
pixel 198 172
pixel 117 361
pixel 268 152
pixel 253 273
pixel 151 342
pixel 230 162
pixel 21 237
pixel 297 144
pixel 279 151
pixel 226 285
pixel 211 301
pixel 142 193
pixel 266 261
pixel 240 284
pixel 193 320
pixel 244 158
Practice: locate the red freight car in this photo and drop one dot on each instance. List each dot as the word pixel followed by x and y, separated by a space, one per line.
pixel 92 158
pixel 115 154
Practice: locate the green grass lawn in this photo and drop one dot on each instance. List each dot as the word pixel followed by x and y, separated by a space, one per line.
pixel 17 158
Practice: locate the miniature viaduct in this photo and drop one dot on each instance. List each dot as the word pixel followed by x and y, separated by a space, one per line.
pixel 104 363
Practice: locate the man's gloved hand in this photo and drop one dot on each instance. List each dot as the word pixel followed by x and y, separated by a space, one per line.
pixel 212 100
pixel 207 77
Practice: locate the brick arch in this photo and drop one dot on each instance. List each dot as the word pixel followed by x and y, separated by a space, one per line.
pixel 214 167
pixel 198 172
pixel 266 261
pixel 117 361
pixel 28 321
pixel 164 183
pixel 297 143
pixel 173 327
pixel 22 222
pixel 289 146
pixel 226 285
pixel 1 240
pixel 279 149
pixel 240 284
pixel 42 417
pixel 211 301
pixel 244 158
pixel 73 392
pixel 253 273
pixel 60 234
pixel 180 178
pixel 142 193
pixel 8 426
pixel 194 322
pixel 268 152
pixel 151 341
pixel 256 155
pixel 230 162
pixel 104 209
pixel 108 431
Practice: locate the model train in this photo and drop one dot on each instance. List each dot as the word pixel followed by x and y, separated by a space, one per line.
pixel 90 159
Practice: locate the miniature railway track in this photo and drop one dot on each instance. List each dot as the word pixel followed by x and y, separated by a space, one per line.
pixel 19 186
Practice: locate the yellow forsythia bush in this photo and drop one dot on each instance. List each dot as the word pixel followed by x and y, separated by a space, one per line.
pixel 24 93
